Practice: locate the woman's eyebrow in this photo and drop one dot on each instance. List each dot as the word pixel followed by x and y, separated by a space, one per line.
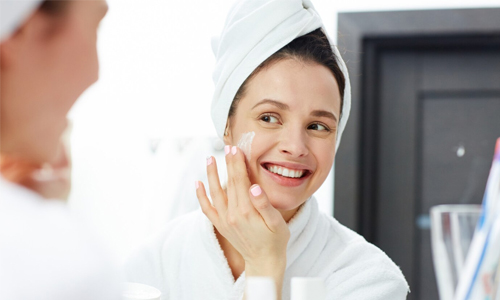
pixel 284 106
pixel 278 104
pixel 323 113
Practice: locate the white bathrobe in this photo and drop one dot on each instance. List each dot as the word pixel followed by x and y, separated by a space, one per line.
pixel 186 261
pixel 47 254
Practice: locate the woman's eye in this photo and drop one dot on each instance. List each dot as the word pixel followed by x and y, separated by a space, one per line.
pixel 318 127
pixel 269 119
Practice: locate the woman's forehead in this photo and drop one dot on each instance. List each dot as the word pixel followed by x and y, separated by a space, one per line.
pixel 295 83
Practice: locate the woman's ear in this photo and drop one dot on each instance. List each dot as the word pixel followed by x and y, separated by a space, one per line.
pixel 227 134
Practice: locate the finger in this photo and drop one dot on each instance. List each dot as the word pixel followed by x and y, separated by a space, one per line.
pixel 239 167
pixel 216 191
pixel 238 173
pixel 271 216
pixel 206 206
pixel 240 180
pixel 232 196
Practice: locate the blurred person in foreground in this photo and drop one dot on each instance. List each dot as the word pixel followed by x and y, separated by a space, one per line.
pixel 48 57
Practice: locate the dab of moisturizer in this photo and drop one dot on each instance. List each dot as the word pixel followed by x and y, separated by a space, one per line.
pixel 245 143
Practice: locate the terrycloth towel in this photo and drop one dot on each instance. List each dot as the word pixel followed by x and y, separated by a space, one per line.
pixel 186 261
pixel 13 13
pixel 254 30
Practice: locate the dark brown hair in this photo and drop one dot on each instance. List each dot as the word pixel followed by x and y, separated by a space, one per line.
pixel 312 47
pixel 54 7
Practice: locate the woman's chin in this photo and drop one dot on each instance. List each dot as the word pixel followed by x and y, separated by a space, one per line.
pixel 286 205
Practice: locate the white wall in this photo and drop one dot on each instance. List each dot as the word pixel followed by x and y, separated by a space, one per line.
pixel 155 85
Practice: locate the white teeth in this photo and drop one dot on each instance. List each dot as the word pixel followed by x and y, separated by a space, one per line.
pixel 274 169
pixel 286 172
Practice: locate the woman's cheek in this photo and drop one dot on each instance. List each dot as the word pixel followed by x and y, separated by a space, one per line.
pixel 324 157
pixel 245 144
pixel 260 146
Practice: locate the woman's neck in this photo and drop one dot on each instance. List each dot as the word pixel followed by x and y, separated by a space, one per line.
pixel 288 215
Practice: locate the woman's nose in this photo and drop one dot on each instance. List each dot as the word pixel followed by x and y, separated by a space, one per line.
pixel 293 143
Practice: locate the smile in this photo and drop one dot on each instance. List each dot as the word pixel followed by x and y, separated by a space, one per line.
pixel 286 174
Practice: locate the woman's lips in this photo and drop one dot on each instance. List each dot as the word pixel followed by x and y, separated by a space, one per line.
pixel 290 173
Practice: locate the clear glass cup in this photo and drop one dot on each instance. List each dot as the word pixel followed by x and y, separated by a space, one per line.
pixel 452 228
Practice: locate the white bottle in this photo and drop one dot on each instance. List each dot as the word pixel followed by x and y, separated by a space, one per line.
pixel 308 288
pixel 260 288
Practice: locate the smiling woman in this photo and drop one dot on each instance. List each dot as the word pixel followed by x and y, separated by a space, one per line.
pixel 279 81
pixel 297 130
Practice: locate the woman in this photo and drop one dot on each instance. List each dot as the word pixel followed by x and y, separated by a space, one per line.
pixel 281 102
pixel 48 58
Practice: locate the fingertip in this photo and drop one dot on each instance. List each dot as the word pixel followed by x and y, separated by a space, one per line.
pixel 201 186
pixel 255 190
pixel 200 193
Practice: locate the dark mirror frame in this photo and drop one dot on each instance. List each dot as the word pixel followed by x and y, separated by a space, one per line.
pixel 360 37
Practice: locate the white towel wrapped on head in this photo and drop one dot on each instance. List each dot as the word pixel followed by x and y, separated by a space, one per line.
pixel 13 13
pixel 255 30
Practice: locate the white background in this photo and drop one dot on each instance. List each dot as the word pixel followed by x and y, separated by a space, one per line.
pixel 155 89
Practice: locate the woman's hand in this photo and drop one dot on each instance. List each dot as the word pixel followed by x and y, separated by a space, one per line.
pixel 246 218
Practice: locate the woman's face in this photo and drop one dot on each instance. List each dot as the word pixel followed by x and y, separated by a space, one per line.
pixel 46 66
pixel 293 107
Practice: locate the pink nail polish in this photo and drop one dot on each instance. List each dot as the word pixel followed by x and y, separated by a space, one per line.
pixel 256 190
pixel 197 184
pixel 227 148
pixel 234 150
pixel 209 160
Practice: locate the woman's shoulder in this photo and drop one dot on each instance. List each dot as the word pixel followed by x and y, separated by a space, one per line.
pixel 342 236
pixel 171 234
pixel 361 267
pixel 353 247
pixel 144 265
pixel 180 228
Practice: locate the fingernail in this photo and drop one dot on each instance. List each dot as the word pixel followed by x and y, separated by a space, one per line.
pixel 256 190
pixel 197 184
pixel 227 148
pixel 234 150
pixel 209 160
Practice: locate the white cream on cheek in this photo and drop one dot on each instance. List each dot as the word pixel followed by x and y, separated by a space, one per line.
pixel 245 143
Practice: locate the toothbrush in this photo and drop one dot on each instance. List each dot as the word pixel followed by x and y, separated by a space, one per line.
pixel 484 250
